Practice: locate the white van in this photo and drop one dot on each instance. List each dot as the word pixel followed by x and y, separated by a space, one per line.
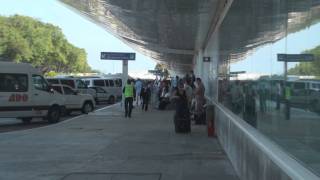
pixel 75 101
pixel 305 94
pixel 25 94
pixel 112 86
pixel 75 83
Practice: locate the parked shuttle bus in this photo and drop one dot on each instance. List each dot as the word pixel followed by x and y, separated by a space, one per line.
pixel 25 94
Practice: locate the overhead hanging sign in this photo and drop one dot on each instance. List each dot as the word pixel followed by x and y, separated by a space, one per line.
pixel 118 56
pixel 227 75
pixel 296 57
pixel 238 72
pixel 154 71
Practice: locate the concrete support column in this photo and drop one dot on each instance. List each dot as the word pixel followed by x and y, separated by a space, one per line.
pixel 208 71
pixel 124 77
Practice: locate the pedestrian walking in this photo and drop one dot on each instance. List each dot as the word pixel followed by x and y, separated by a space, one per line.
pixel 146 96
pixel 250 114
pixel 262 91
pixel 138 86
pixel 193 79
pixel 155 99
pixel 189 91
pixel 287 101
pixel 279 94
pixel 175 82
pixel 200 101
pixel 237 98
pixel 164 98
pixel 129 94
pixel 182 120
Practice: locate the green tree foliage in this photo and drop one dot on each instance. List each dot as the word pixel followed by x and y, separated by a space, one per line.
pixel 24 39
pixel 51 74
pixel 308 68
pixel 164 70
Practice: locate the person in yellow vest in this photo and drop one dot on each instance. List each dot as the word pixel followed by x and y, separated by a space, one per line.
pixel 129 94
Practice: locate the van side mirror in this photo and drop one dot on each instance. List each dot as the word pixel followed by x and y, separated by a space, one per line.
pixel 50 89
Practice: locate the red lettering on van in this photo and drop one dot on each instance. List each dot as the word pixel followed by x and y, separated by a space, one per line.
pixel 12 98
pixel 25 98
pixel 18 98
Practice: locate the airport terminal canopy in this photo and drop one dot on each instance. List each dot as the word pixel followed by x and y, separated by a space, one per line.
pixel 173 31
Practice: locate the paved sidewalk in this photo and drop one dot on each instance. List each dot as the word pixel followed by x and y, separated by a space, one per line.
pixel 105 145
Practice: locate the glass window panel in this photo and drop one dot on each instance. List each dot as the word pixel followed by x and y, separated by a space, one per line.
pixel 281 100
pixel 68 91
pixel 13 82
pixel 98 83
pixel 70 83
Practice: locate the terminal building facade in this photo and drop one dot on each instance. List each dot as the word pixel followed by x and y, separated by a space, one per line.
pixel 266 111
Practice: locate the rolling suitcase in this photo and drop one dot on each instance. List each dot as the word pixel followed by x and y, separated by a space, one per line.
pixel 162 105
pixel 182 124
pixel 200 119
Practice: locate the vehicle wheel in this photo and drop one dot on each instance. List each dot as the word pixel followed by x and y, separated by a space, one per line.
pixel 68 113
pixel 53 114
pixel 87 107
pixel 112 100
pixel 26 120
pixel 63 111
pixel 97 102
pixel 314 106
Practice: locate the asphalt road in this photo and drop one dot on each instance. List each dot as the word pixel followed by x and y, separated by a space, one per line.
pixel 11 124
